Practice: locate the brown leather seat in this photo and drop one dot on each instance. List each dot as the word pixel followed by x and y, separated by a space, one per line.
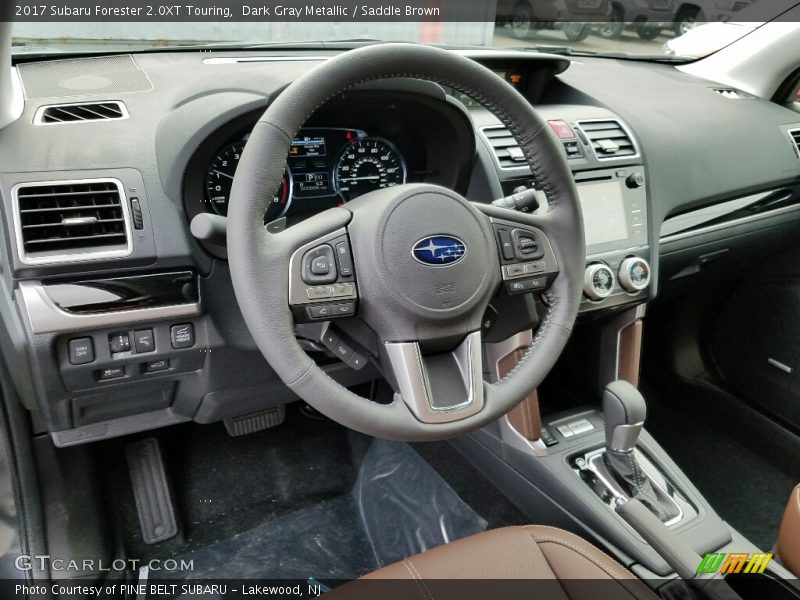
pixel 527 562
pixel 788 546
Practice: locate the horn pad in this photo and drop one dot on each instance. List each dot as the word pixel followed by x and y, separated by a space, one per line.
pixel 423 252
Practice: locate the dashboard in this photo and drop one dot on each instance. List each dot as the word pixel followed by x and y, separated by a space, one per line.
pixel 129 321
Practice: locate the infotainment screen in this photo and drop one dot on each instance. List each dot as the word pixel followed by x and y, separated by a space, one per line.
pixel 603 209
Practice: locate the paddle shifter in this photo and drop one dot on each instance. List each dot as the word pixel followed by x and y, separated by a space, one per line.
pixel 625 410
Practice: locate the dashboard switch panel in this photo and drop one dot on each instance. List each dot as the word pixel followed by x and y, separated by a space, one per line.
pixel 143 341
pixel 119 342
pixel 182 336
pixel 81 351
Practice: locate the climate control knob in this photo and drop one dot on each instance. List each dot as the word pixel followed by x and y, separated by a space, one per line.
pixel 634 274
pixel 598 281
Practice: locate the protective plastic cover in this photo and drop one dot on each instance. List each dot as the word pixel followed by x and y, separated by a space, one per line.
pixel 405 506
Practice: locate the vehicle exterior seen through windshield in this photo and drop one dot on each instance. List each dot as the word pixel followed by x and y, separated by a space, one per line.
pixel 637 28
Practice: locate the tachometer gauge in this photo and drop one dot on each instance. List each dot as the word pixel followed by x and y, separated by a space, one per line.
pixel 219 179
pixel 366 165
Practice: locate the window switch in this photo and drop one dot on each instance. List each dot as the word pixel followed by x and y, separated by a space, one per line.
pixel 119 342
pixel 81 351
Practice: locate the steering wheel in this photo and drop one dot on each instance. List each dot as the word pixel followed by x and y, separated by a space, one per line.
pixel 416 264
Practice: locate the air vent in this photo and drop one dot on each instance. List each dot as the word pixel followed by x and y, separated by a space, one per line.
pixel 65 221
pixel 609 139
pixel 794 135
pixel 732 93
pixel 505 148
pixel 75 113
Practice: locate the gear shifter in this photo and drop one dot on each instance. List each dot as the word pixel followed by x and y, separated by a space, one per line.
pixel 625 411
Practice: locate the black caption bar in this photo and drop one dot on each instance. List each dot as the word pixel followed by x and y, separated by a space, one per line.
pixel 257 10
pixel 374 10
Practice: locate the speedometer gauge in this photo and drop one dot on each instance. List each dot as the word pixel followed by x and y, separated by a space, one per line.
pixel 219 179
pixel 366 165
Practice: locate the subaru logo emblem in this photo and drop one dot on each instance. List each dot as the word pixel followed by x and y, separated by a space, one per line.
pixel 439 250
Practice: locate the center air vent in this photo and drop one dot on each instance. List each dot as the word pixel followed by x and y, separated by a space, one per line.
pixel 505 148
pixel 65 221
pixel 609 139
pixel 72 113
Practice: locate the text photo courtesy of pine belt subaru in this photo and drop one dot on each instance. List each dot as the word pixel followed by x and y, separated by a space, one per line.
pixel 435 299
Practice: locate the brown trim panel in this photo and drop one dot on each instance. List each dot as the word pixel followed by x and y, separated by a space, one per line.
pixel 630 352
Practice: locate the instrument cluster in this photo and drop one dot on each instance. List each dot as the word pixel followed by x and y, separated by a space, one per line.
pixel 326 167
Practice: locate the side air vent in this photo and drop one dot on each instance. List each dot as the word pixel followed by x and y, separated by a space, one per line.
pixel 794 135
pixel 64 221
pixel 609 139
pixel 505 148
pixel 74 113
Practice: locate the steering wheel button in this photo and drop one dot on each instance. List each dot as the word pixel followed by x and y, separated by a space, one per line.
pixel 515 270
pixel 519 287
pixel 534 267
pixel 342 351
pixel 344 309
pixel 320 312
pixel 342 290
pixel 319 292
pixel 345 259
pixel 506 246
pixel 320 266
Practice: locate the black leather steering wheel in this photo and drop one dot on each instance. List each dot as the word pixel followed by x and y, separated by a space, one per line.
pixel 427 262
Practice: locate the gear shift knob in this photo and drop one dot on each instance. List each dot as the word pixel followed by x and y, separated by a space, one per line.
pixel 625 410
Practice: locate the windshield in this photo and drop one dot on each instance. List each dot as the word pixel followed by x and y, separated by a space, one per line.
pixel 646 29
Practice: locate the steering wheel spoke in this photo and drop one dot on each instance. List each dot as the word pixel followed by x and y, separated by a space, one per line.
pixel 441 387
pixel 322 279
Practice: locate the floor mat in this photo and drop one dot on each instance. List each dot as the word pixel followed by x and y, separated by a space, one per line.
pixel 731 454
pixel 398 506
pixel 325 541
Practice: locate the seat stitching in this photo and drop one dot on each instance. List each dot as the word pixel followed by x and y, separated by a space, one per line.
pixel 608 570
pixel 576 549
pixel 417 579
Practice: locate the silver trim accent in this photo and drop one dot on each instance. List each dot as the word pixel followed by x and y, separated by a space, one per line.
pixel 624 437
pixel 78 221
pixel 623 126
pixel 256 59
pixel 589 290
pixel 720 226
pixel 595 463
pixel 779 365
pixel 494 354
pixel 38 117
pixel 44 316
pixel 408 366
pixel 78 256
pixel 625 279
